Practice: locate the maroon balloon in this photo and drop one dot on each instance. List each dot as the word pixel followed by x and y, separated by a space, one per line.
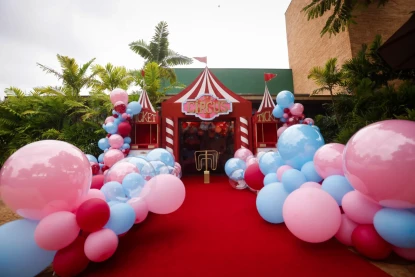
pixel 95 168
pixel 115 115
pixel 92 215
pixel 71 260
pixel 97 181
pixel 124 129
pixel 254 177
pixel 120 108
pixel 286 110
pixel 368 242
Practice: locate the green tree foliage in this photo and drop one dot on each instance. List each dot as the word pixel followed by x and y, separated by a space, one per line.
pixel 110 77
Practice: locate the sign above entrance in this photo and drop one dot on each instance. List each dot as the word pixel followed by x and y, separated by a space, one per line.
pixel 206 107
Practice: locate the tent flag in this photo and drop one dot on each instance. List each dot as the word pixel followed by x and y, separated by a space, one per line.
pixel 201 59
pixel 269 76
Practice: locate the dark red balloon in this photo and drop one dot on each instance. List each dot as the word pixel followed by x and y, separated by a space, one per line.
pixel 120 108
pixel 124 129
pixel 115 115
pixel 286 110
pixel 92 215
pixel 254 177
pixel 71 260
pixel 97 181
pixel 368 242
pixel 95 168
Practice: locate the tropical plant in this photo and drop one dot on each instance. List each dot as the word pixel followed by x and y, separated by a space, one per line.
pixel 110 77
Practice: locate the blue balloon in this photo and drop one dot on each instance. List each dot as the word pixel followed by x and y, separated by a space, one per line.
pixel 111 127
pixel 160 167
pixel 270 162
pixel 135 107
pixel 298 144
pixel 162 155
pixel 292 179
pixel 233 164
pixel 132 184
pixel 310 172
pixel 117 121
pixel 337 186
pixel 19 253
pixel 396 227
pixel 128 111
pixel 145 168
pixel 122 218
pixel 91 158
pixel 237 175
pixel 127 140
pixel 283 120
pixel 103 144
pixel 277 112
pixel 270 178
pixel 270 201
pixel 285 99
pixel 101 158
pixel 112 203
pixel 125 146
pixel 315 127
pixel 113 191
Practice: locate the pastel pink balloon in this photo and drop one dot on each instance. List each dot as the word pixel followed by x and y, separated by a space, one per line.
pixel 281 170
pixel 119 170
pixel 310 185
pixel 116 141
pixel 344 234
pixel 359 208
pixel 119 95
pixel 140 209
pixel 251 161
pixel 243 153
pixel 281 130
pixel 101 245
pixel 109 119
pixel 285 115
pixel 163 194
pixel 379 162
pixel 45 177
pixel 93 193
pixel 56 231
pixel 309 120
pixel 406 253
pixel 297 109
pixel 124 116
pixel 311 215
pixel 112 156
pixel 328 160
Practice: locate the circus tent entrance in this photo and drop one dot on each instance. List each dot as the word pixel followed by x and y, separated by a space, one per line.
pixel 205 105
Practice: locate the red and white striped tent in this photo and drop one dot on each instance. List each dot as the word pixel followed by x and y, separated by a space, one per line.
pixel 145 102
pixel 206 83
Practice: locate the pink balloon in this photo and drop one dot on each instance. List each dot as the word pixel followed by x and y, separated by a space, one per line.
pixel 379 162
pixel 163 194
pixel 359 208
pixel 124 116
pixel 281 130
pixel 281 171
pixel 251 161
pixel 311 215
pixel 243 153
pixel 309 120
pixel 56 231
pixel 344 234
pixel 119 95
pixel 93 193
pixel 140 209
pixel 406 253
pixel 116 141
pixel 297 109
pixel 45 177
pixel 328 160
pixel 119 170
pixel 109 119
pixel 285 115
pixel 112 156
pixel 101 245
pixel 310 185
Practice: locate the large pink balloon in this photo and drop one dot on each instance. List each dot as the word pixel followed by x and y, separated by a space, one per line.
pixel 119 95
pixel 112 156
pixel 116 141
pixel 119 170
pixel 344 234
pixel 379 161
pixel 57 231
pixel 297 109
pixel 328 160
pixel 406 253
pixel 281 130
pixel 311 185
pixel 45 177
pixel 243 154
pixel 101 245
pixel 163 194
pixel 359 208
pixel 140 209
pixel 311 215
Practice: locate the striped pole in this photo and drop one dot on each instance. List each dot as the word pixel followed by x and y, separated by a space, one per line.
pixel 169 135
pixel 243 127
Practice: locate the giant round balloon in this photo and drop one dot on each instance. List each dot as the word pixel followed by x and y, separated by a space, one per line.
pixel 379 161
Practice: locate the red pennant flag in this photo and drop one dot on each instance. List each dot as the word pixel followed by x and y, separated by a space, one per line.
pixel 201 59
pixel 269 76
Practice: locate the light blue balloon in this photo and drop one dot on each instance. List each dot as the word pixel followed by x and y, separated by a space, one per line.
pixel 237 175
pixel 91 158
pixel 126 146
pixel 101 158
pixel 111 127
pixel 117 121
pixel 160 154
pixel 135 107
pixel 285 99
pixel 396 227
pixel 292 179
pixel 277 112
pixel 270 178
pixel 233 164
pixel 128 111
pixel 122 218
pixel 113 191
pixel 283 120
pixel 337 186
pixel 315 127
pixel 160 167
pixel 270 201
pixel 270 162
pixel 127 140
pixel 112 203
pixel 145 168
pixel 298 144
pixel 132 184
pixel 310 172
pixel 103 144
pixel 20 256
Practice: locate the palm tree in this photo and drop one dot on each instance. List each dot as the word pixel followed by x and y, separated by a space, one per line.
pixel 111 77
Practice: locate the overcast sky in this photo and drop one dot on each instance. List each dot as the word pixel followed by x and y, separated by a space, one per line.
pixel 231 33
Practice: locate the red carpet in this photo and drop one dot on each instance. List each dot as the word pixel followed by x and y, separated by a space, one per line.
pixel 218 232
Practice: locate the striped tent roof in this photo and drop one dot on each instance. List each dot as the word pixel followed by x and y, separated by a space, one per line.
pixel 267 102
pixel 145 102
pixel 206 83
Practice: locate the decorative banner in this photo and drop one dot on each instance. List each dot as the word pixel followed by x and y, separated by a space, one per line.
pixel 206 107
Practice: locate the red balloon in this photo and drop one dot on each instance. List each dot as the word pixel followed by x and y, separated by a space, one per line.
pixel 92 215
pixel 124 129
pixel 120 108
pixel 97 181
pixel 254 177
pixel 286 110
pixel 115 115
pixel 71 260
pixel 368 242
pixel 95 168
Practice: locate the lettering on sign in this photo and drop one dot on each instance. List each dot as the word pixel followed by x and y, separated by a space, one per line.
pixel 266 117
pixel 146 117
pixel 206 107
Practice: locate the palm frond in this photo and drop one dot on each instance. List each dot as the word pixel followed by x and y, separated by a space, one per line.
pixel 141 48
pixel 50 71
pixel 14 92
